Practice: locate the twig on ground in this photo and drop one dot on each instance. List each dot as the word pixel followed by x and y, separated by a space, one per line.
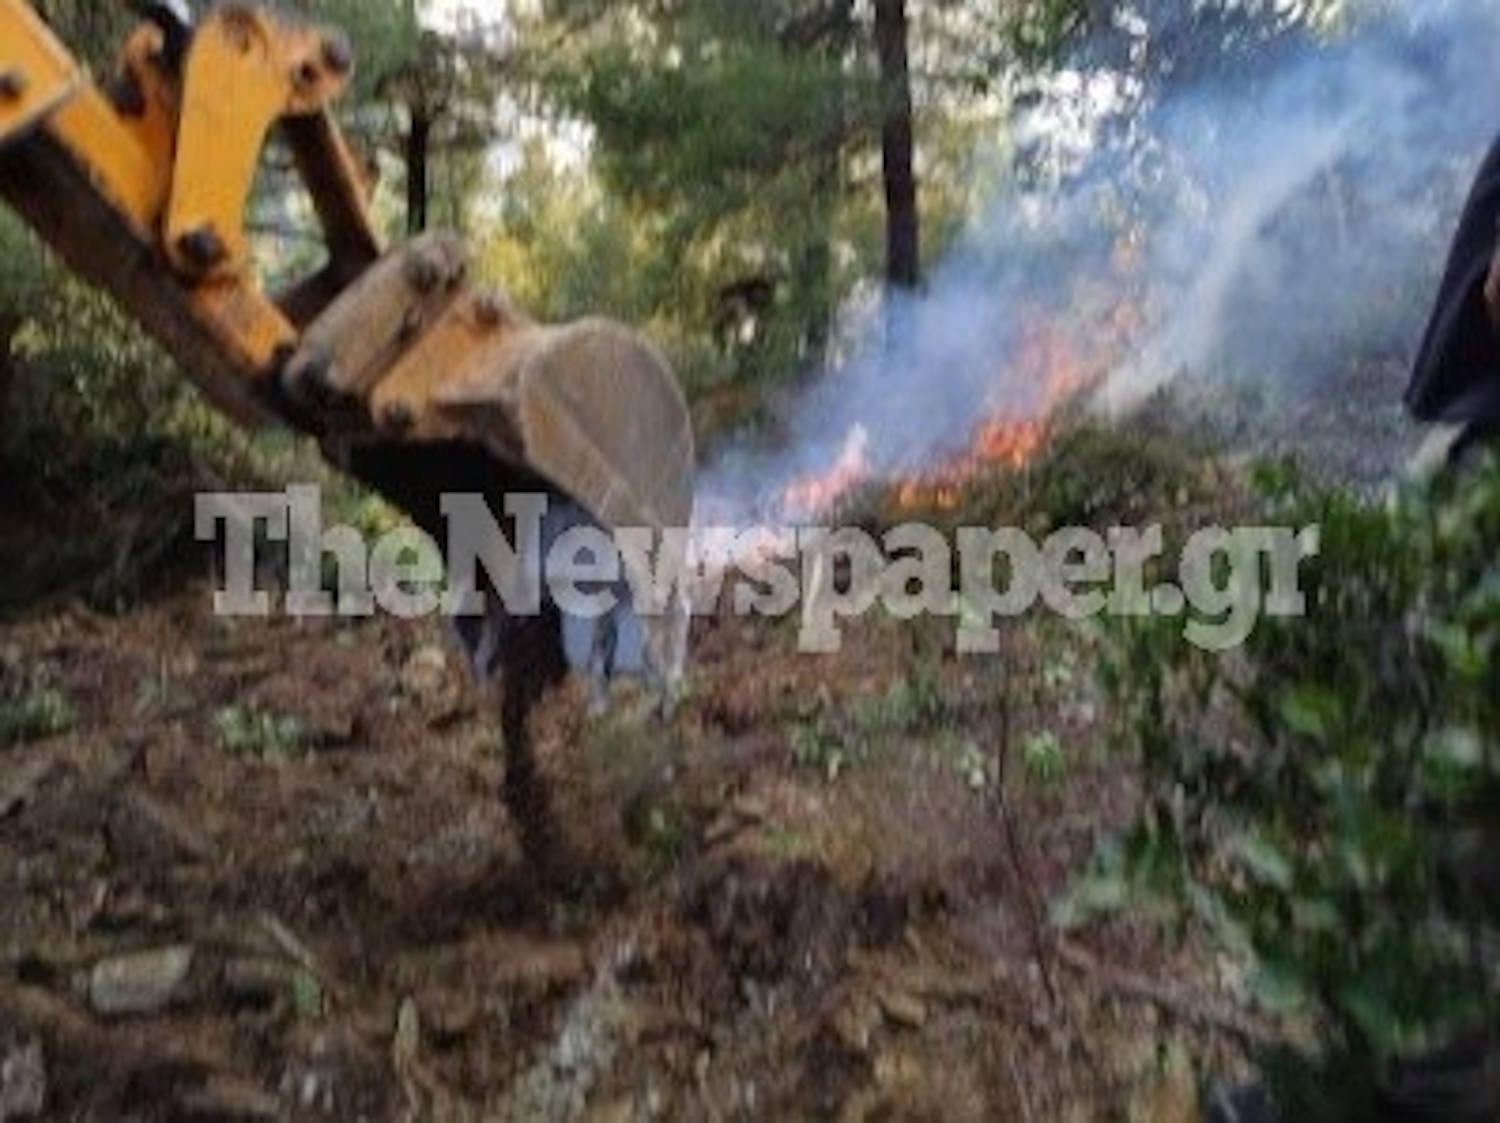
pixel 1177 1001
pixel 1030 893
pixel 1028 1115
pixel 294 949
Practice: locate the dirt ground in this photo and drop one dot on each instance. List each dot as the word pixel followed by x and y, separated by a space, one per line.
pixel 266 873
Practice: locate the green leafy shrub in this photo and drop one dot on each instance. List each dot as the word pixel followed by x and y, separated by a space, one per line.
pixel 914 703
pixel 250 732
pixel 826 745
pixel 839 738
pixel 1311 796
pixel 1042 754
pixel 976 768
pixel 1088 473
pixel 32 707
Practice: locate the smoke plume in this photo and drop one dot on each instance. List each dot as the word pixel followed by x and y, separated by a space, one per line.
pixel 1257 217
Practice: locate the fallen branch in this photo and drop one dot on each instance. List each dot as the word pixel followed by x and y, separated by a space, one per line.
pixel 1028 1115
pixel 42 1012
pixel 1031 893
pixel 113 1051
pixel 297 952
pixel 1181 1003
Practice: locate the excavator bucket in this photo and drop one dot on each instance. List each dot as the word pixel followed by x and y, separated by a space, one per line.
pixel 596 413
pixel 589 410
pixel 590 407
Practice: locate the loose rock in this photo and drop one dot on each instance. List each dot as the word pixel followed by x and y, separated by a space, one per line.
pixel 425 676
pixel 855 1023
pixel 227 1098
pixel 144 983
pixel 23 1083
pixel 903 1009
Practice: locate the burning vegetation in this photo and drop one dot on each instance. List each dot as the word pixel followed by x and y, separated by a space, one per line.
pixel 1056 361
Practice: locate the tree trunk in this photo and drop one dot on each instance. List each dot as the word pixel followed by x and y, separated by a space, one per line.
pixel 418 153
pixel 827 34
pixel 903 232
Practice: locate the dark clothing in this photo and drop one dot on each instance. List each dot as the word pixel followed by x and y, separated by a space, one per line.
pixel 1456 377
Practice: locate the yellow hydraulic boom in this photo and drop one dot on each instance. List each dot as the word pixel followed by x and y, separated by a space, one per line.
pixel 393 359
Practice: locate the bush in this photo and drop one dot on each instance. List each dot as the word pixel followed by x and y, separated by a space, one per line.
pixel 1088 473
pixel 1328 798
pixel 250 732
pixel 32 708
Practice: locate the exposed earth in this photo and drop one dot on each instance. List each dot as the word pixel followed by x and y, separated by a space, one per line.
pixel 265 873
pixel 261 869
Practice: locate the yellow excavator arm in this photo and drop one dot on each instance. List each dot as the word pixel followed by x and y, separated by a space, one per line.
pixel 143 191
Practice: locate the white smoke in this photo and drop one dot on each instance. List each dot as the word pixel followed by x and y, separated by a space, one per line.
pixel 1209 292
pixel 1287 219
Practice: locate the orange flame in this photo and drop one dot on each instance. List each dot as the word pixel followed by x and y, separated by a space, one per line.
pixel 811 495
pixel 1051 369
pixel 1057 359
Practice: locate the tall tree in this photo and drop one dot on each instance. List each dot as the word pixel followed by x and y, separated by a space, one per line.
pixel 897 143
pixel 726 126
pixel 446 89
pixel 425 94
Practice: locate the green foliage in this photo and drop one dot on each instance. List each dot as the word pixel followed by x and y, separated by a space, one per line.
pixel 722 132
pixel 86 379
pixel 829 746
pixel 32 707
pixel 1306 796
pixel 385 35
pixel 1040 29
pixel 660 829
pixel 839 738
pixel 1042 755
pixel 245 731
pixel 90 30
pixel 721 127
pixel 976 768
pixel 308 999
pixel 914 704
pixel 1101 475
pixel 1089 473
pixel 564 248
pixel 20 268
